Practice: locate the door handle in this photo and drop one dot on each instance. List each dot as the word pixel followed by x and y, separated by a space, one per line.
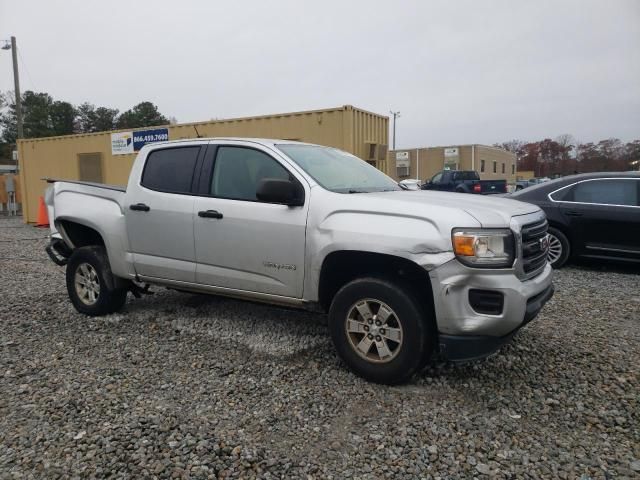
pixel 209 214
pixel 139 207
pixel 573 213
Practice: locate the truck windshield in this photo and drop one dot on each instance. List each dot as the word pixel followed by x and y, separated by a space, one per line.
pixel 338 171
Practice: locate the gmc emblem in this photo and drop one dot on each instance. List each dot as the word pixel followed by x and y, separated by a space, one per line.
pixel 544 243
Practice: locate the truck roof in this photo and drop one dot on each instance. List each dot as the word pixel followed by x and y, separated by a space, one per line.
pixel 261 141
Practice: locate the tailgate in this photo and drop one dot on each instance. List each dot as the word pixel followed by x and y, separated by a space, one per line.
pixel 493 186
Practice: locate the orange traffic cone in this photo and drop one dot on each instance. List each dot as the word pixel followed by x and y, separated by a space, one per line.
pixel 43 217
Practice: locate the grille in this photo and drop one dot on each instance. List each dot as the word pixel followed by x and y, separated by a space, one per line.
pixel 534 250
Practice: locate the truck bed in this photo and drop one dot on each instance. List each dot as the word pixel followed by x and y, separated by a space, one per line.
pixel 95 205
pixel 71 197
pixel 90 184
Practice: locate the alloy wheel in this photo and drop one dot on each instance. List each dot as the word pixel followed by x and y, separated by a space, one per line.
pixel 87 284
pixel 374 331
pixel 555 249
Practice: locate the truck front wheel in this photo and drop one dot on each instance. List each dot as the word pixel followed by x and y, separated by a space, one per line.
pixel 90 282
pixel 380 330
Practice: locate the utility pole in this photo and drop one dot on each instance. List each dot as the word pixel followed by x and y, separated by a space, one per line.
pixel 16 81
pixel 396 115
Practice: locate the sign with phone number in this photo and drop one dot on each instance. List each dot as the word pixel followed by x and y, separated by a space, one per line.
pixel 142 137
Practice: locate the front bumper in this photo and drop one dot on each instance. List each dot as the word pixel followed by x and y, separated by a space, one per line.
pixel 459 348
pixel 465 334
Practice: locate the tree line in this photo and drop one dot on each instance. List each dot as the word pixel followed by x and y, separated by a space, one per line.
pixel 565 156
pixel 43 116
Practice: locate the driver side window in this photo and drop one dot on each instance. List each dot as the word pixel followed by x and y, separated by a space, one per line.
pixel 238 170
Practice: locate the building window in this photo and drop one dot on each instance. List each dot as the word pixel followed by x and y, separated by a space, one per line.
pixel 372 151
pixel 503 168
pixel 513 169
pixel 482 165
pixel 401 171
pixel 495 167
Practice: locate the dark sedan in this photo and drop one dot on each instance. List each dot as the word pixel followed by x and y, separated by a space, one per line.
pixel 595 215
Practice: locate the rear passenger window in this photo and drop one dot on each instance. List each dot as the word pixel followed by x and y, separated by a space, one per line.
pixel 170 170
pixel 609 192
pixel 238 170
pixel 562 195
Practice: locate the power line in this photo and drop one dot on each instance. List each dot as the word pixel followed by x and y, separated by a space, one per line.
pixel 24 64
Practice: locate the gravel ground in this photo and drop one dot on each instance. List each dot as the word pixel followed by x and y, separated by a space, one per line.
pixel 190 386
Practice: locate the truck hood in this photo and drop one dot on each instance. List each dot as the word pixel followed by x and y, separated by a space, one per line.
pixel 489 211
pixel 415 225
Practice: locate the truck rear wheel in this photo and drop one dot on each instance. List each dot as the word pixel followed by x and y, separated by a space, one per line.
pixel 380 330
pixel 90 282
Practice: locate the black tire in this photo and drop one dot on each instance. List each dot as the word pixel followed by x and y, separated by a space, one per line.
pixel 417 335
pixel 557 237
pixel 107 299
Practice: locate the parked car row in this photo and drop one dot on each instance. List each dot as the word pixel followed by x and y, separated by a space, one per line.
pixel 464 181
pixel 520 184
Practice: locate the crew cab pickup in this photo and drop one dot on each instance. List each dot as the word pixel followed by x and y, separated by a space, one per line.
pixel 464 181
pixel 403 275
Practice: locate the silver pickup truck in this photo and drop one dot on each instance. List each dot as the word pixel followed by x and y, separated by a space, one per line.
pixel 404 275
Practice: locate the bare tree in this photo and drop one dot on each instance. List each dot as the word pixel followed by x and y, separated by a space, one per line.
pixel 566 140
pixel 514 146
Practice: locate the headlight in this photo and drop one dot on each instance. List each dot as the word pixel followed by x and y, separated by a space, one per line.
pixel 484 248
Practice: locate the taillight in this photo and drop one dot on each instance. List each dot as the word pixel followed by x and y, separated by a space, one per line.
pixel 477 188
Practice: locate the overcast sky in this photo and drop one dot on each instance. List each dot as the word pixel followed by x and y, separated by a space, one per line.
pixel 458 71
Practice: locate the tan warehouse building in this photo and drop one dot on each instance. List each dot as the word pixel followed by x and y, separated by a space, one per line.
pixel 108 156
pixel 491 163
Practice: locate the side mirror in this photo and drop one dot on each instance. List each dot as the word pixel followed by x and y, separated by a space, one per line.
pixel 276 190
